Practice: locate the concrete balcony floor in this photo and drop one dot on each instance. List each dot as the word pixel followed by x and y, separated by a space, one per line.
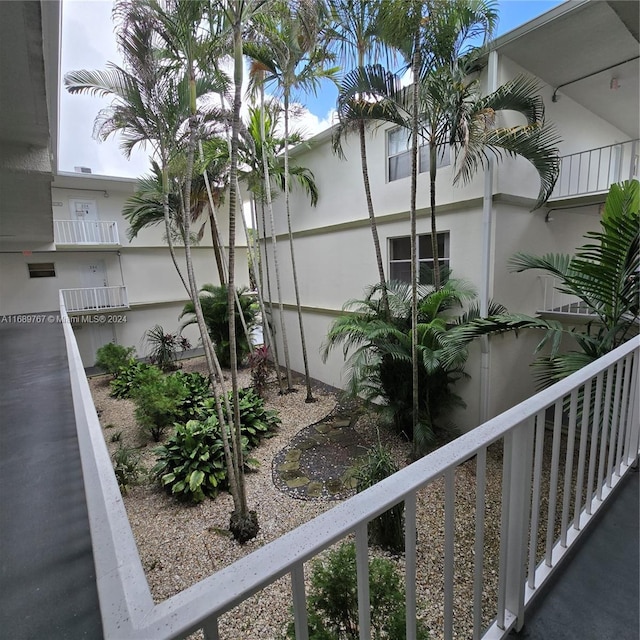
pixel 47 577
pixel 596 594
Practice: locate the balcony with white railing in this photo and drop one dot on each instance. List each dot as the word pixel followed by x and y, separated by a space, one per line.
pixel 95 299
pixel 592 172
pixel 557 302
pixel 86 232
pixel 588 424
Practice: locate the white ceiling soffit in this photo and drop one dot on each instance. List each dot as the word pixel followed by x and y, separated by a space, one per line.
pixel 580 51
pixel 29 48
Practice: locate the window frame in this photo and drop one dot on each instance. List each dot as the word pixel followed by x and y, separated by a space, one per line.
pixel 444 159
pixel 37 270
pixel 445 259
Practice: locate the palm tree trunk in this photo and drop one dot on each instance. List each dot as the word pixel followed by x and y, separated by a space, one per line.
pixel 263 311
pixel 414 256
pixel 274 247
pixel 372 218
pixel 309 397
pixel 213 222
pixel 433 167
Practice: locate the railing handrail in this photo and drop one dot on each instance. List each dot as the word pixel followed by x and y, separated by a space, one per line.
pixel 605 146
pixel 86 232
pixel 116 286
pixel 120 576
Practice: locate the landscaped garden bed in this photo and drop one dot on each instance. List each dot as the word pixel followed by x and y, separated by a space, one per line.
pixel 181 543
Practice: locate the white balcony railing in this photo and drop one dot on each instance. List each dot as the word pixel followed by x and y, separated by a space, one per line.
pixel 595 170
pixel 555 301
pixel 593 417
pixel 71 232
pixel 95 299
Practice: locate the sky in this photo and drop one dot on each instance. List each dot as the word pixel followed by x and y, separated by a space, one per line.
pixel 88 43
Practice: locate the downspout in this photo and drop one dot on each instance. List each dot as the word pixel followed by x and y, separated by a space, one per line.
pixel 487 223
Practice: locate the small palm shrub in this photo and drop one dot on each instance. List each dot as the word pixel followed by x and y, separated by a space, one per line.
pixel 159 404
pixel 216 316
pixel 387 530
pixel 191 465
pixel 130 376
pixel 164 348
pixel 126 466
pixel 333 599
pixel 111 357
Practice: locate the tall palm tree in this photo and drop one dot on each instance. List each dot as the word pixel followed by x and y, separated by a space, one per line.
pixel 354 34
pixel 290 57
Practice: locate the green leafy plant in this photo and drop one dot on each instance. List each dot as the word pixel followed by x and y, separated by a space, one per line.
pixel 112 357
pixel 333 599
pixel 164 347
pixel 197 391
pixel 116 437
pixel 216 316
pixel 130 377
pixel 159 404
pixel 259 364
pixel 256 422
pixel 126 465
pixel 387 530
pixel 191 465
pixel 377 348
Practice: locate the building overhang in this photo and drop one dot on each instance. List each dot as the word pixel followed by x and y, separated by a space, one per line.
pixel 29 80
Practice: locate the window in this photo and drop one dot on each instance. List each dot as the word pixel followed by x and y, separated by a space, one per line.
pixel 399 155
pixel 42 270
pixel 400 257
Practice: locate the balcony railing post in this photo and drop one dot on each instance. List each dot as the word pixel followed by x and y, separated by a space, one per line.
pixel 518 461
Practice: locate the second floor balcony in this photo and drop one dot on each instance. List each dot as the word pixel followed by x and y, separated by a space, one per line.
pixel 593 171
pixel 86 233
pixel 95 299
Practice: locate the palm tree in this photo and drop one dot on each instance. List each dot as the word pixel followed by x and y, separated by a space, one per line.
pixel 377 346
pixel 355 34
pixel 261 158
pixel 289 54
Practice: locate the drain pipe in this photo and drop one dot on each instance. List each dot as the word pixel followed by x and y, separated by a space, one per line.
pixel 487 224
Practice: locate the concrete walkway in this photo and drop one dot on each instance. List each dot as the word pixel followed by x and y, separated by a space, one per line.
pixel 596 596
pixel 47 579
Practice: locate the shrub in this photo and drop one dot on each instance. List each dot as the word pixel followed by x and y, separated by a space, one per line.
pixel 333 599
pixel 256 422
pixel 158 404
pixel 111 357
pixel 216 316
pixel 387 530
pixel 259 364
pixel 126 465
pixel 197 447
pixel 191 465
pixel 130 377
pixel 197 391
pixel 165 347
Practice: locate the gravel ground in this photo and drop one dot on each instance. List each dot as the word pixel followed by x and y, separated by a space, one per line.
pixel 179 545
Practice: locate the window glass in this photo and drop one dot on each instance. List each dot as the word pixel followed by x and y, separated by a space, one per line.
pixel 443 157
pixel 400 257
